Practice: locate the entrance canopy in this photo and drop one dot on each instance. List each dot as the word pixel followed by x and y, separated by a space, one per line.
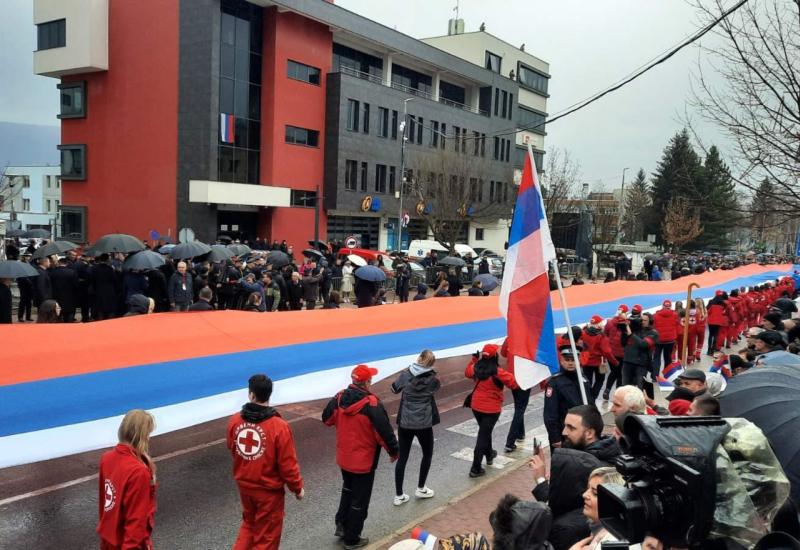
pixel 218 192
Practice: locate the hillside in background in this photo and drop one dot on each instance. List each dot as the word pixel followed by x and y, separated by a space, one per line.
pixel 28 144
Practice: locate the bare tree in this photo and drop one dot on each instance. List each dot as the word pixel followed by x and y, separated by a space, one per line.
pixel 604 211
pixel 454 188
pixel 10 188
pixel 561 183
pixel 681 224
pixel 758 104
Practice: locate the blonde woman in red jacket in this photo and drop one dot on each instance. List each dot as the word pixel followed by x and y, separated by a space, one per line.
pixel 128 487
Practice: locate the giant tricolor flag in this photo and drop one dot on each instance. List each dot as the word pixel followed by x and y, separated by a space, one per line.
pixel 525 292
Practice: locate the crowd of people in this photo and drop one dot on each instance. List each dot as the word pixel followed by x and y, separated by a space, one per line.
pixel 633 345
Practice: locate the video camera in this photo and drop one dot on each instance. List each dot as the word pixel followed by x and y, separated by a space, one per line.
pixel 669 468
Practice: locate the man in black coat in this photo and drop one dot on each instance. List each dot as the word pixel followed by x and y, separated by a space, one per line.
pixel 25 285
pixel 82 270
pixel 64 281
pixel 561 395
pixel 42 288
pixel 157 289
pixel 203 302
pixel 5 301
pixel 105 283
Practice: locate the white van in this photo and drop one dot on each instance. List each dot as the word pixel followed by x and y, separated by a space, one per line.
pixel 420 248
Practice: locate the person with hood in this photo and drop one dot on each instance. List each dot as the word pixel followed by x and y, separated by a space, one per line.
pixel 665 322
pixel 613 331
pixel 520 524
pixel 636 361
pixel 416 417
pixel 362 428
pixel 422 291
pixel 562 394
pixel 562 489
pixel 139 304
pixel 264 462
pixel 598 348
pixel 486 402
pixel 127 486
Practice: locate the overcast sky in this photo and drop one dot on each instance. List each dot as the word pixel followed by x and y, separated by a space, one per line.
pixel 589 45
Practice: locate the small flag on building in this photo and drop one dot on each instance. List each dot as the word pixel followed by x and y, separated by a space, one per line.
pixel 226 125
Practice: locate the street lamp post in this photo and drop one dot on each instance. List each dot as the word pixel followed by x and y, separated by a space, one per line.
pixel 621 204
pixel 402 173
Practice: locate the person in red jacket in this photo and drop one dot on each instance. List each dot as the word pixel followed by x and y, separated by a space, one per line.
pixel 613 331
pixel 486 401
pixel 665 322
pixel 127 484
pixel 717 322
pixel 362 428
pixel 598 348
pixel 264 461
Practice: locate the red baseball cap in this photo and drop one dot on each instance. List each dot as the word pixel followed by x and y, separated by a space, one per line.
pixel 363 373
pixel 637 308
pixel 490 350
pixel 596 320
pixel 667 303
pixel 718 293
pixel 623 308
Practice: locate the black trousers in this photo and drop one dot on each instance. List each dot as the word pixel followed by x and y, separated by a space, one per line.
pixel 713 333
pixel 405 437
pixel 664 349
pixel 614 375
pixel 633 375
pixel 67 315
pixel 517 428
pixel 595 379
pixel 483 444
pixel 25 303
pixel 354 503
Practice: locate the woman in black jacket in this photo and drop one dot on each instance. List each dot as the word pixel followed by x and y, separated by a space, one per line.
pixel 415 418
pixel 637 358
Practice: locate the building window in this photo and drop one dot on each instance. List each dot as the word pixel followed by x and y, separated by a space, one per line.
pixel 26 204
pixel 352 115
pixel 52 34
pixel 457 138
pixel 364 171
pixel 480 190
pixel 302 136
pixel 48 204
pixel 483 145
pixel 434 134
pixel 478 233
pixel 303 72
pixel 395 124
pixel 380 178
pixel 350 174
pixel 444 134
pixel 49 183
pixel 420 128
pixel 530 120
pixel 73 162
pixel 383 122
pixel 73 100
pixel 304 199
pixel 26 181
pixel 532 79
pixel 392 179
pixel 411 81
pixel 73 223
pixel 496 101
pixel 464 140
pixel 493 62
pixel 412 128
pixel 496 148
pixel 58 204
pixel 505 104
pixel 58 182
pixel 365 118
pixel 510 106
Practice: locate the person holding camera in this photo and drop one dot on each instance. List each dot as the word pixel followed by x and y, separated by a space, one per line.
pixel 562 394
pixel 637 359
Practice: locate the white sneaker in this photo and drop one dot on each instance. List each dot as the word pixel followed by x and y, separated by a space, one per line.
pixel 423 492
pixel 402 499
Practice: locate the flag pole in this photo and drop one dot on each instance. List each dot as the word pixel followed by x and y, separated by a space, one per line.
pixel 564 307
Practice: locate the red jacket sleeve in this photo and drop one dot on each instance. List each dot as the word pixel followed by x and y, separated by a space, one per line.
pixel 136 501
pixel 605 348
pixel 287 459
pixel 469 372
pixel 507 378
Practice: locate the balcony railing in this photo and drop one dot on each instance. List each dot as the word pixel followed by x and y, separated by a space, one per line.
pixel 410 90
pixel 461 106
pixel 360 74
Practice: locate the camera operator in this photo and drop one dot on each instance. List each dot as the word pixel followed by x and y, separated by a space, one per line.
pixel 562 394
pixel 637 359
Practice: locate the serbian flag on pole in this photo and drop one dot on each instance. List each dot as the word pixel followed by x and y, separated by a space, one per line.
pixel 226 122
pixel 525 292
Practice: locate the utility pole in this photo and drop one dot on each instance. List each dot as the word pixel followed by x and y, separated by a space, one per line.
pixel 402 173
pixel 621 205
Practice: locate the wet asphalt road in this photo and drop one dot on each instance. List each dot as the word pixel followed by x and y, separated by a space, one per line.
pixel 198 505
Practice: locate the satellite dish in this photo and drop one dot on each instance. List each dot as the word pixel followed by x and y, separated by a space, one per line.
pixel 186 235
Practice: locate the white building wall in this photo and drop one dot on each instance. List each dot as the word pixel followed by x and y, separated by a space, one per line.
pixel 38 194
pixel 495 235
pixel 86 48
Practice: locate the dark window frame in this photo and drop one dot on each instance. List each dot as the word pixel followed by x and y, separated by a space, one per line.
pixel 300 198
pixel 45 39
pixel 381 175
pixel 490 55
pixel 479 234
pixel 364 176
pixel 383 122
pixel 392 180
pixel 542 92
pixel 292 132
pixel 81 176
pixel 350 175
pixel 353 115
pixel 81 85
pixel 291 63
pixel 83 211
pixel 365 117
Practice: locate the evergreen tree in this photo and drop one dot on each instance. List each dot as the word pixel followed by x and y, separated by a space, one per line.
pixel 717 208
pixel 677 176
pixel 762 218
pixel 637 209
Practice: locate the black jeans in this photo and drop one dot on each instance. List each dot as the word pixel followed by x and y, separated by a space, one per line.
pixel 483 444
pixel 354 503
pixel 25 303
pixel 713 332
pixel 405 437
pixel 517 428
pixel 614 375
pixel 633 375
pixel 664 349
pixel 595 379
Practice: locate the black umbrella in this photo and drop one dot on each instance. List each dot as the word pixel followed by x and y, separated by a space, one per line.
pixel 278 259
pixel 36 234
pixel 117 242
pixel 370 273
pixel 13 269
pixel 488 282
pixel 219 253
pixel 55 247
pixel 225 239
pixel 651 257
pixel 769 397
pixel 320 245
pixel 146 259
pixel 15 233
pixel 189 250
pixel 453 261
pixel 311 253
pixel 239 249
